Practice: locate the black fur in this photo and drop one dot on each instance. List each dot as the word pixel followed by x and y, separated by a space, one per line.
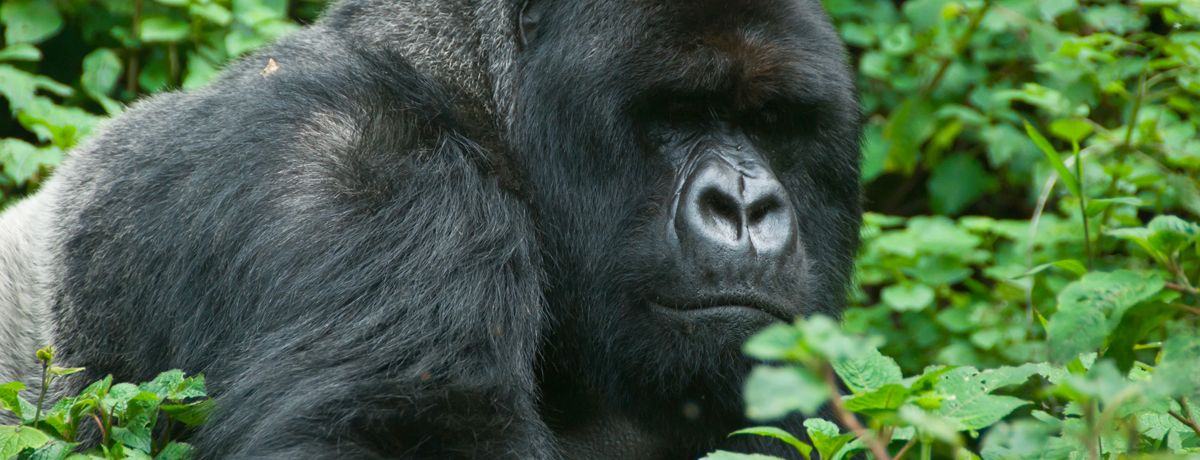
pixel 429 229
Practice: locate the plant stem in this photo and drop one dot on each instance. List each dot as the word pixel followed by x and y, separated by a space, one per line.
pixel 1087 238
pixel 1182 288
pixel 904 450
pixel 37 414
pixel 926 450
pixel 1137 107
pixel 847 418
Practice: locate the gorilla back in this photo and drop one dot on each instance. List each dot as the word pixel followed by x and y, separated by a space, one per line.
pixel 491 228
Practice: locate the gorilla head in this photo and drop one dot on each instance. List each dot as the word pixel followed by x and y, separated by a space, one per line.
pixel 693 168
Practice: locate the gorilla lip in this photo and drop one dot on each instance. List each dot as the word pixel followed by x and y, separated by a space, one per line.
pixel 710 304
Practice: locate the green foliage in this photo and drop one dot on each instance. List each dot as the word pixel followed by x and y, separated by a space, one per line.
pixel 134 422
pixel 66 64
pixel 1063 325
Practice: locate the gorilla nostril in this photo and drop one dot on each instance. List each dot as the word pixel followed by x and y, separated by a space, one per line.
pixel 720 206
pixel 762 209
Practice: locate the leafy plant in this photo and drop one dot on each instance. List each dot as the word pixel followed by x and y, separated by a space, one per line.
pixel 132 421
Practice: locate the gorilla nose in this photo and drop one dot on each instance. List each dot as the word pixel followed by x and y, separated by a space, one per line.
pixel 736 207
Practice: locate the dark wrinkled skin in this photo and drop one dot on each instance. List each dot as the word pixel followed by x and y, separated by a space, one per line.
pixel 494 229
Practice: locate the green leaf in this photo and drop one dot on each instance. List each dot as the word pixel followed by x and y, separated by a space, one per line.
pixel 101 70
pixel 21 52
pixel 137 423
pixel 969 402
pixel 1055 160
pixel 53 450
pixel 1071 129
pixel 867 371
pixel 176 451
pixel 191 414
pixel 1169 234
pixel 826 437
pixel 772 432
pixel 29 21
pixel 1089 309
pixel 162 29
pixel 14 439
pixel 908 127
pixel 175 3
pixel 773 392
pixel 957 182
pixel 21 160
pixel 212 12
pixel 1179 370
pixel 886 398
pixel 908 297
pixel 1096 206
pixel 932 424
pixel 777 342
pixel 1070 265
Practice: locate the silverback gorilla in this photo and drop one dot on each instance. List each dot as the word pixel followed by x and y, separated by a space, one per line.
pixel 459 228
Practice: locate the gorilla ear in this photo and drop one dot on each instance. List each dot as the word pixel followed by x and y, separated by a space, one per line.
pixel 531 17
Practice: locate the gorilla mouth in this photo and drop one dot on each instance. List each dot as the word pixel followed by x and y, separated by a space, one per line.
pixel 725 305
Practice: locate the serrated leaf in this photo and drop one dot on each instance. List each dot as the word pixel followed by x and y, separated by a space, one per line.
pixel 53 450
pixel 772 432
pixel 1091 308
pixel 1071 129
pixel 969 402
pixel 1169 234
pixel 826 437
pixel 867 371
pixel 887 398
pixel 101 70
pixel 10 397
pixel 14 439
pixel 176 451
pixel 773 392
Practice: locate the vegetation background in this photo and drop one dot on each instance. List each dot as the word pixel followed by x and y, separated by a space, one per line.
pixel 1030 261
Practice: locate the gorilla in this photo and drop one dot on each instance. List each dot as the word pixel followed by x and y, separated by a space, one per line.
pixel 459 229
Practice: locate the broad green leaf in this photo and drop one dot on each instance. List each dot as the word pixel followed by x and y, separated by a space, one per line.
pixel 21 160
pixel 908 127
pixel 1071 129
pixel 101 70
pixel 1025 440
pixel 1096 206
pixel 191 414
pixel 212 12
pixel 14 439
pixel 137 422
pixel 969 402
pixel 777 342
pixel 826 437
pixel 772 432
pixel 908 297
pixel 53 450
pixel 1056 161
pixel 773 392
pixel 162 29
pixel 175 3
pixel 1179 369
pixel 29 21
pixel 957 182
pixel 176 451
pixel 886 398
pixel 1169 234
pixel 867 370
pixel 943 428
pixel 20 52
pixel 1092 307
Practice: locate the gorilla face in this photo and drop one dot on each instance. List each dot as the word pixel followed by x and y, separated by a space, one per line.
pixel 694 176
